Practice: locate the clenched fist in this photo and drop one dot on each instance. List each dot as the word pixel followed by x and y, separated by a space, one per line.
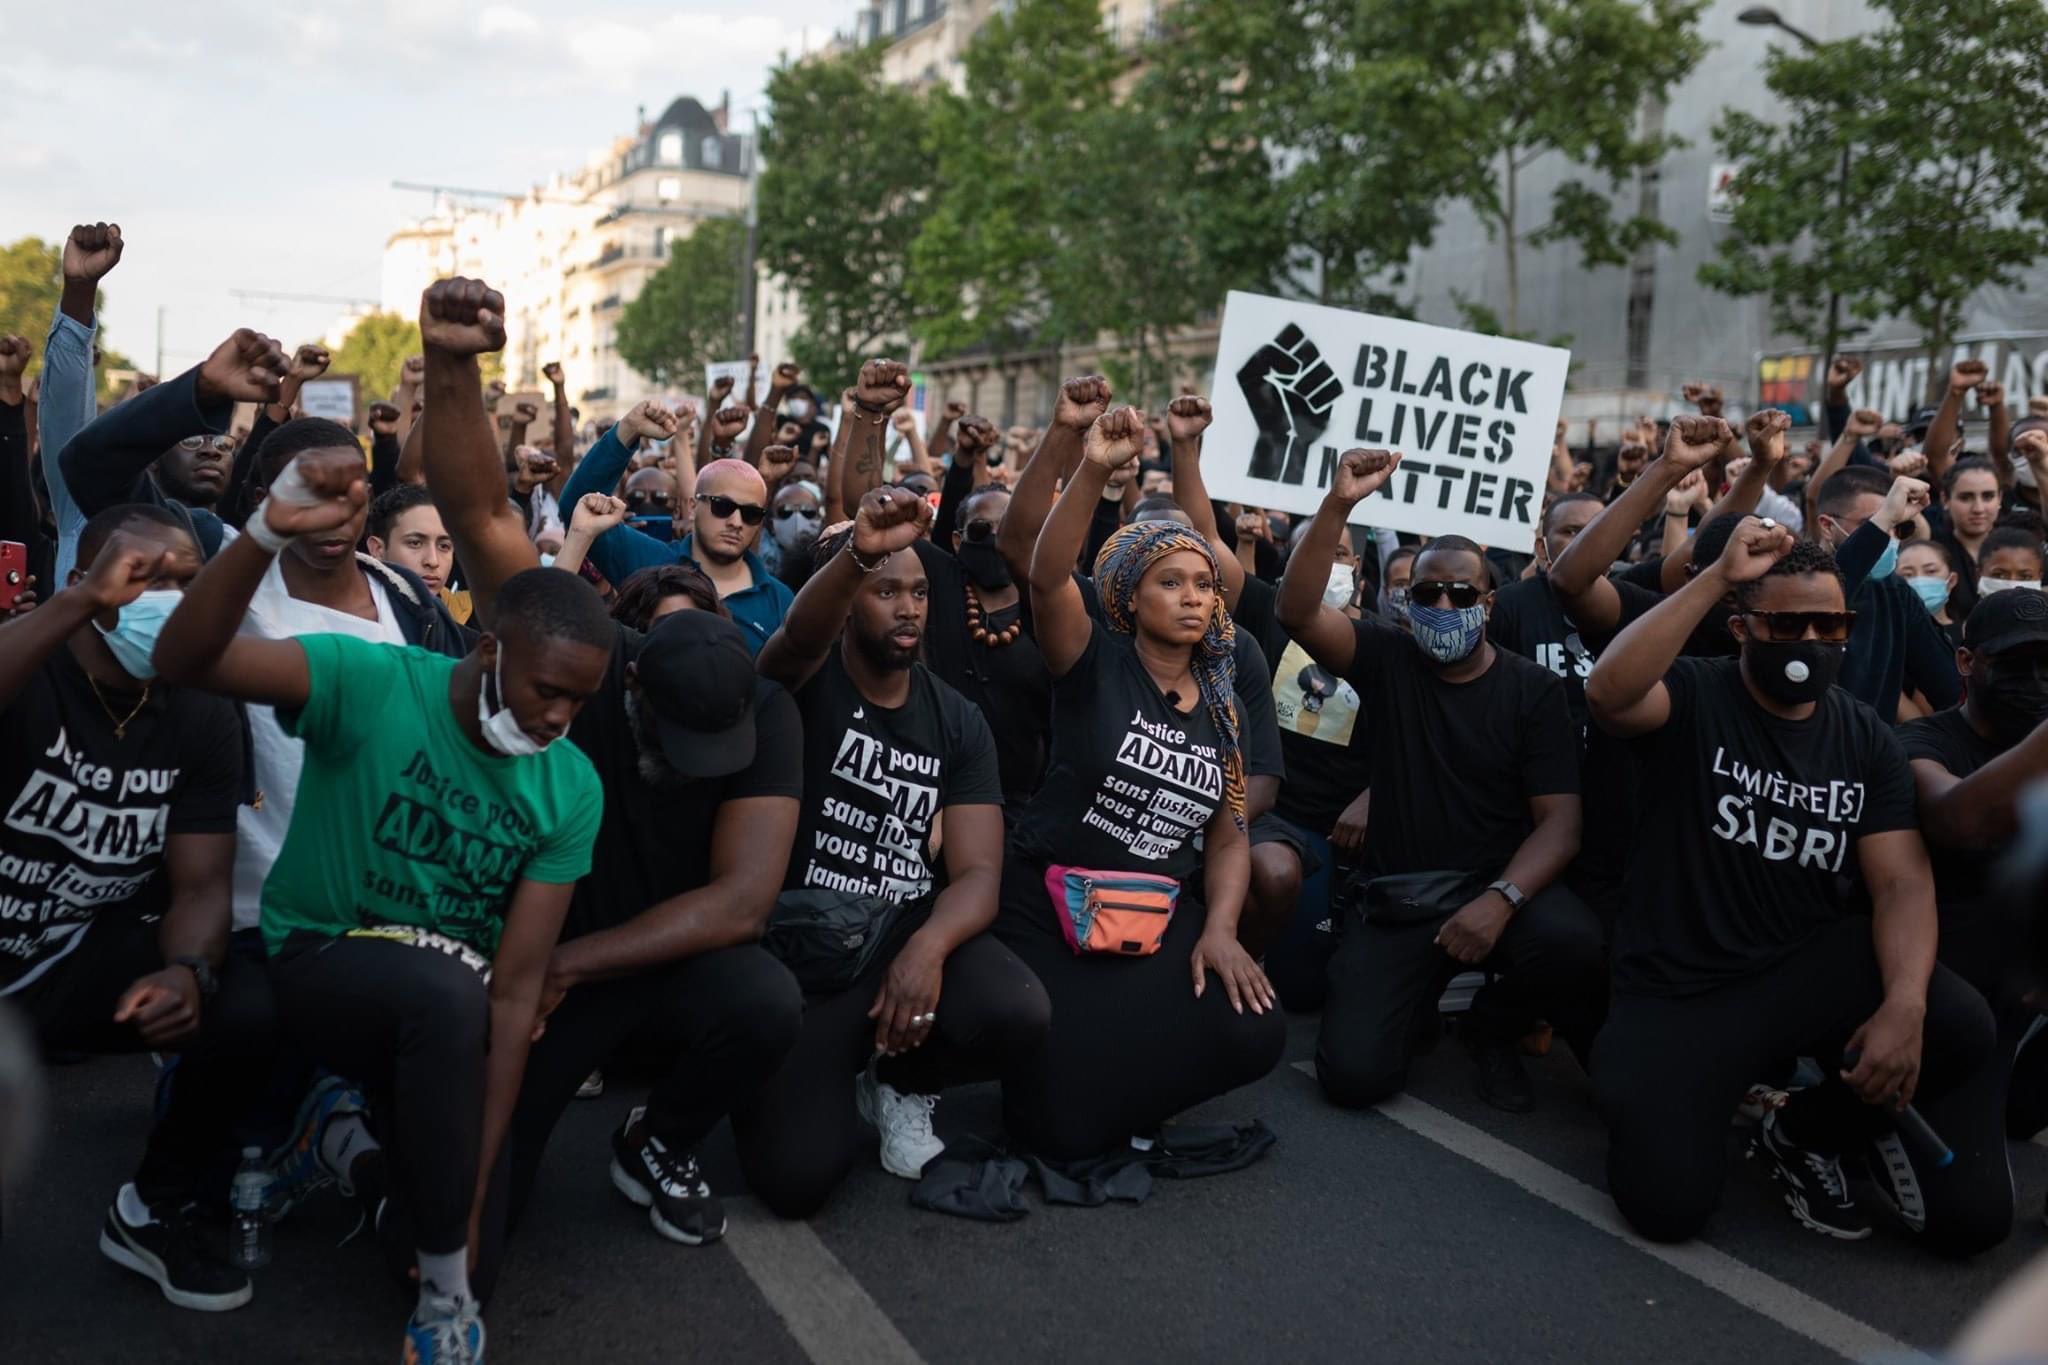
pixel 1967 375
pixel 776 463
pixel 596 513
pixel 383 418
pixel 1991 394
pixel 647 421
pixel 1188 417
pixel 1081 401
pixel 309 362
pixel 883 385
pixel 552 372
pixel 976 437
pixel 91 251
pixel 246 368
pixel 1706 397
pixel 889 519
pixel 1361 473
pixel 1865 422
pixel 727 424
pixel 1693 441
pixel 1751 551
pixel 2032 446
pixel 413 372
pixel 1113 438
pixel 1843 371
pixel 125 567
pixel 462 317
pixel 721 389
pixel 1766 430
pixel 1910 464
pixel 525 413
pixel 337 480
pixel 14 358
pixel 955 410
pixel 786 375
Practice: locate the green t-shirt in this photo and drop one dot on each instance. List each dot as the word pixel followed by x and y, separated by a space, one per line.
pixel 402 820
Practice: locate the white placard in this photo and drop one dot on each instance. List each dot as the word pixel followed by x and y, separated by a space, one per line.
pixel 333 398
pixel 736 370
pixel 1298 384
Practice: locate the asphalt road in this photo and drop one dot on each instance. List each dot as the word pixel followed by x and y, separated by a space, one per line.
pixel 1433 1229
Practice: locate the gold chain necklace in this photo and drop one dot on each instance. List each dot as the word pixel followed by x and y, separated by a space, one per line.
pixel 121 724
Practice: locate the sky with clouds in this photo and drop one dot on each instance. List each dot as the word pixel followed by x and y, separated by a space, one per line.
pixel 250 144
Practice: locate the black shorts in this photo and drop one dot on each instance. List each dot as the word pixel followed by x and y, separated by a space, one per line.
pixel 1278 829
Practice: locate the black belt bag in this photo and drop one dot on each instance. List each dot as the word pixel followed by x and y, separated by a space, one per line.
pixel 1407 899
pixel 829 939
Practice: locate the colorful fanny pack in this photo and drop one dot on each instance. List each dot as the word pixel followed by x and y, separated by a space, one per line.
pixel 1111 912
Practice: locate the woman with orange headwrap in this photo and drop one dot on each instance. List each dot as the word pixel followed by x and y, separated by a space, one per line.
pixel 1127 872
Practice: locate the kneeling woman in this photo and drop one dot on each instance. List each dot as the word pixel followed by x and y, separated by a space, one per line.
pixel 1153 1011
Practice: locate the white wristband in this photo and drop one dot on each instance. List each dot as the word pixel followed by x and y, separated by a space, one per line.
pixel 258 529
pixel 291 489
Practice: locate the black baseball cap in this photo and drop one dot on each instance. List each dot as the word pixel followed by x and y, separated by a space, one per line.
pixel 1921 419
pixel 2000 620
pixel 697 677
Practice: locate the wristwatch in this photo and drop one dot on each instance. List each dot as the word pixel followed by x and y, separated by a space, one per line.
pixel 1510 893
pixel 202 972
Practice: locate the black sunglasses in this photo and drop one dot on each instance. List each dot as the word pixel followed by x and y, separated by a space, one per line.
pixel 784 513
pixel 1831 627
pixel 752 513
pixel 978 531
pixel 1430 591
pixel 642 499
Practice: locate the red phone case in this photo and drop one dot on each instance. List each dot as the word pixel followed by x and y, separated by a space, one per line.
pixel 13 572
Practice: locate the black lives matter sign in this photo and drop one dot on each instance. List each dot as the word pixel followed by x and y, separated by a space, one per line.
pixel 1298 384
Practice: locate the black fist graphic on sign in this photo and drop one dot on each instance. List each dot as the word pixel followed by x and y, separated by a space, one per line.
pixel 1291 390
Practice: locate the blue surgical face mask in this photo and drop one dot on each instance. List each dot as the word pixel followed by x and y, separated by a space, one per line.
pixel 1447 634
pixel 1933 591
pixel 547 561
pixel 133 638
pixel 1887 561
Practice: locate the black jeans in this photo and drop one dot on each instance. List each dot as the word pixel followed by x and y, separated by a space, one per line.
pixel 725 1020
pixel 801 1134
pixel 1668 1073
pixel 411 1027
pixel 1552 961
pixel 1130 1045
pixel 72 1009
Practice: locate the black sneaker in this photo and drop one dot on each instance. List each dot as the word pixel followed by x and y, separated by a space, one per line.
pixel 171 1250
pixel 665 1183
pixel 1815 1189
pixel 1502 1080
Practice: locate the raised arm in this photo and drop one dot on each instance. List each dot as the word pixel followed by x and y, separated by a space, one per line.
pixel 883 387
pixel 941 441
pixel 889 519
pixel 1326 633
pixel 202 644
pixel 1187 417
pixel 461 319
pixel 1059 619
pixel 714 402
pixel 905 423
pixel 412 378
pixel 1081 401
pixel 382 418
pixel 1765 431
pixel 978 436
pixel 1579 575
pixel 1991 394
pixel 69 398
pixel 126 568
pixel 1862 422
pixel 310 361
pixel 1942 437
pixel 565 425
pixel 1626 692
pixel 762 436
pixel 1981 811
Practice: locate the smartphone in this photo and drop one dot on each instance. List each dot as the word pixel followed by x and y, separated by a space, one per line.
pixel 13 573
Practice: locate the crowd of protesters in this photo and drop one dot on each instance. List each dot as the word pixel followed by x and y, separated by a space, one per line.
pixel 392 783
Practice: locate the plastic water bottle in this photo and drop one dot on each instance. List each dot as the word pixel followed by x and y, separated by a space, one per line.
pixel 249 1201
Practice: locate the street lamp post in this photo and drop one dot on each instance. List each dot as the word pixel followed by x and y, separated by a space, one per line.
pixel 1763 16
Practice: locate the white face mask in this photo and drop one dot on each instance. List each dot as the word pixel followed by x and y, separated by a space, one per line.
pixel 1987 586
pixel 1342 585
pixel 501 727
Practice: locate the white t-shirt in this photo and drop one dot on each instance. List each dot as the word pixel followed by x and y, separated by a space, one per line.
pixel 274 614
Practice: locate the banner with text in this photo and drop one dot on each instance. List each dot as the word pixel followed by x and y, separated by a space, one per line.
pixel 1298 384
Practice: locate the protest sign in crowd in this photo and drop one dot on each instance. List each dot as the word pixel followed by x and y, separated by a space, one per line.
pixel 392 782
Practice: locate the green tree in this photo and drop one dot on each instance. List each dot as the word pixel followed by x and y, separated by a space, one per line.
pixel 688 312
pixel 31 282
pixel 1944 195
pixel 843 169
pixel 373 351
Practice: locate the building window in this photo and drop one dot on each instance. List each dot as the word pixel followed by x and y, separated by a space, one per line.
pixel 670 150
pixel 711 153
pixel 668 189
pixel 660 243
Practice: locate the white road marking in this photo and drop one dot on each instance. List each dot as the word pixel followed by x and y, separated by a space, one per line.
pixel 817 1298
pixel 1790 1308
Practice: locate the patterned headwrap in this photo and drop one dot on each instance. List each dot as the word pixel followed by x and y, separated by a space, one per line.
pixel 1119 567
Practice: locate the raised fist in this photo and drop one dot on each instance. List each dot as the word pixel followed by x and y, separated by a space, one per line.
pixel 91 251
pixel 727 424
pixel 596 513
pixel 1113 439
pixel 1687 495
pixel 1291 390
pixel 1991 394
pixel 1188 417
pixel 888 520
pixel 493 391
pixel 1967 375
pixel 1751 551
pixel 1865 422
pixel 1843 371
pixel 975 438
pixel 1081 401
pixel 1254 526
pixel 787 432
pixel 552 372
pixel 1909 464
pixel 2032 446
pixel 1705 397
pixel 246 368
pixel 647 421
pixel 309 362
pixel 955 410
pixel 786 375
pixel 413 372
pixel 125 567
pixel 14 357
pixel 1361 473
pixel 540 465
pixel 883 385
pixel 903 420
pixel 1693 441
pixel 1906 500
pixel 462 317
pixel 1766 430
pixel 776 462
pixel 721 389
pixel 383 418
pixel 335 477
pixel 525 413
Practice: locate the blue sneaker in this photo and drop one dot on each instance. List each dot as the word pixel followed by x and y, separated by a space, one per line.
pixel 296 1170
pixel 450 1333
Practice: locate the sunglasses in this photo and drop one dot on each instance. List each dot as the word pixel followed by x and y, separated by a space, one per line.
pixel 792 510
pixel 642 499
pixel 1832 627
pixel 1431 591
pixel 752 513
pixel 978 531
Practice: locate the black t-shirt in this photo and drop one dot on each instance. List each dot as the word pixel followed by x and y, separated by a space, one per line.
pixel 655 841
pixel 1748 846
pixel 1322 736
pixel 88 814
pixel 1455 765
pixel 1010 681
pixel 1980 936
pixel 1132 780
pixel 1528 619
pixel 876 778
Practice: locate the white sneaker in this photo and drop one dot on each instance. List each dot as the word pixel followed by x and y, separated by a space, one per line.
pixel 904 1122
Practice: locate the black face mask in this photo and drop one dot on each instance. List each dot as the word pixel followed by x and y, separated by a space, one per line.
pixel 2014 700
pixel 1793 671
pixel 984 564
